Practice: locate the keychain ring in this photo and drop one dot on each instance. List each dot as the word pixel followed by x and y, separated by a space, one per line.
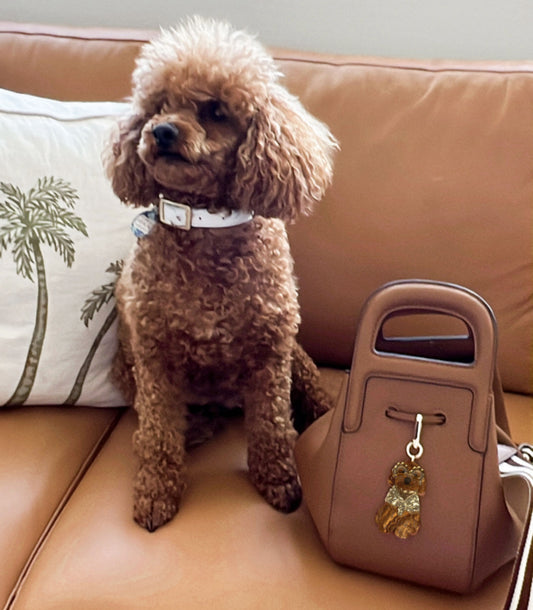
pixel 413 446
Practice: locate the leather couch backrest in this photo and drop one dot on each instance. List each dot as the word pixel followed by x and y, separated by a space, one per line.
pixel 434 179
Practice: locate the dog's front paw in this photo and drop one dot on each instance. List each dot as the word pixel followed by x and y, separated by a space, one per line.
pixel 275 477
pixel 153 513
pixel 156 501
pixel 409 527
pixel 283 492
pixel 285 497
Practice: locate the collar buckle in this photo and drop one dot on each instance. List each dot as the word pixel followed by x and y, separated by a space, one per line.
pixel 175 214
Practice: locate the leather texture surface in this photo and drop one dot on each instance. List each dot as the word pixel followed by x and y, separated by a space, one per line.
pixel 225 549
pixel 434 182
pixel 349 468
pixel 43 454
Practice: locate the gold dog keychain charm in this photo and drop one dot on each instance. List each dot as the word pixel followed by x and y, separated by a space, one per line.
pixel 400 512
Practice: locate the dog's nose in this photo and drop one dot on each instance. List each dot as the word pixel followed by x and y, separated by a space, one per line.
pixel 165 135
pixel 407 480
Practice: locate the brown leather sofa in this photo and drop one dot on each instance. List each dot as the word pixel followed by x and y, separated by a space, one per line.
pixel 434 180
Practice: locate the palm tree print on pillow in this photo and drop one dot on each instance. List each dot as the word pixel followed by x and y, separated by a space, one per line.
pixel 42 216
pixel 97 299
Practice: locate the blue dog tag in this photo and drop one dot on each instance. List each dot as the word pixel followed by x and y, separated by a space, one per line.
pixel 143 224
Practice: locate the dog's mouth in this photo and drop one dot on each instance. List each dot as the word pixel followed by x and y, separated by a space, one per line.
pixel 172 156
pixel 182 175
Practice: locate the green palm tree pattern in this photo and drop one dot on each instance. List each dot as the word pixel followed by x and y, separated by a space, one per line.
pixel 97 299
pixel 42 216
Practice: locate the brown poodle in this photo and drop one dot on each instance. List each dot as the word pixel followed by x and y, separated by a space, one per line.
pixel 400 512
pixel 207 299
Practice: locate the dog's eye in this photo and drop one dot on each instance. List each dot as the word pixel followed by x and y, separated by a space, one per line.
pixel 213 111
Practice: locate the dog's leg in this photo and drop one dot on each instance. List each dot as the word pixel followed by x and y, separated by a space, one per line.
pixel 271 436
pixel 387 518
pixel 409 526
pixel 309 399
pixel 159 444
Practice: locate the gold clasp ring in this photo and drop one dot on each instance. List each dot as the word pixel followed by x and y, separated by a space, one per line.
pixel 414 448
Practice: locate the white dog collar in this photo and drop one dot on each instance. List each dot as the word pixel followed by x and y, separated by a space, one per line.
pixel 184 217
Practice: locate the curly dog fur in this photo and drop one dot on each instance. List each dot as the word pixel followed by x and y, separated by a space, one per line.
pixel 210 316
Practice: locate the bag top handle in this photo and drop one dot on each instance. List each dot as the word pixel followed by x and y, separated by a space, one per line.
pixel 406 297
pixel 426 296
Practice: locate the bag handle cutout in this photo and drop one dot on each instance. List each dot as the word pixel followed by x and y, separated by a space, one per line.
pixel 472 368
pixel 440 337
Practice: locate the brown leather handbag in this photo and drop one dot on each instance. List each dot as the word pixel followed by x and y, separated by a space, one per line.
pixel 402 477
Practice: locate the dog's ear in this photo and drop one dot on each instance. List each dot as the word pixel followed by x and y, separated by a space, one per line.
pixel 285 163
pixel 129 179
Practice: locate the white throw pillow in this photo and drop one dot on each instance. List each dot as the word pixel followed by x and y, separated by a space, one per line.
pixel 62 233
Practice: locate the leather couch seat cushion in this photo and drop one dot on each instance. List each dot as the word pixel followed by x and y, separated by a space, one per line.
pixel 226 548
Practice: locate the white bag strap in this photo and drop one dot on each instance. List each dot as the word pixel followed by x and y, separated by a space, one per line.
pixel 516 469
